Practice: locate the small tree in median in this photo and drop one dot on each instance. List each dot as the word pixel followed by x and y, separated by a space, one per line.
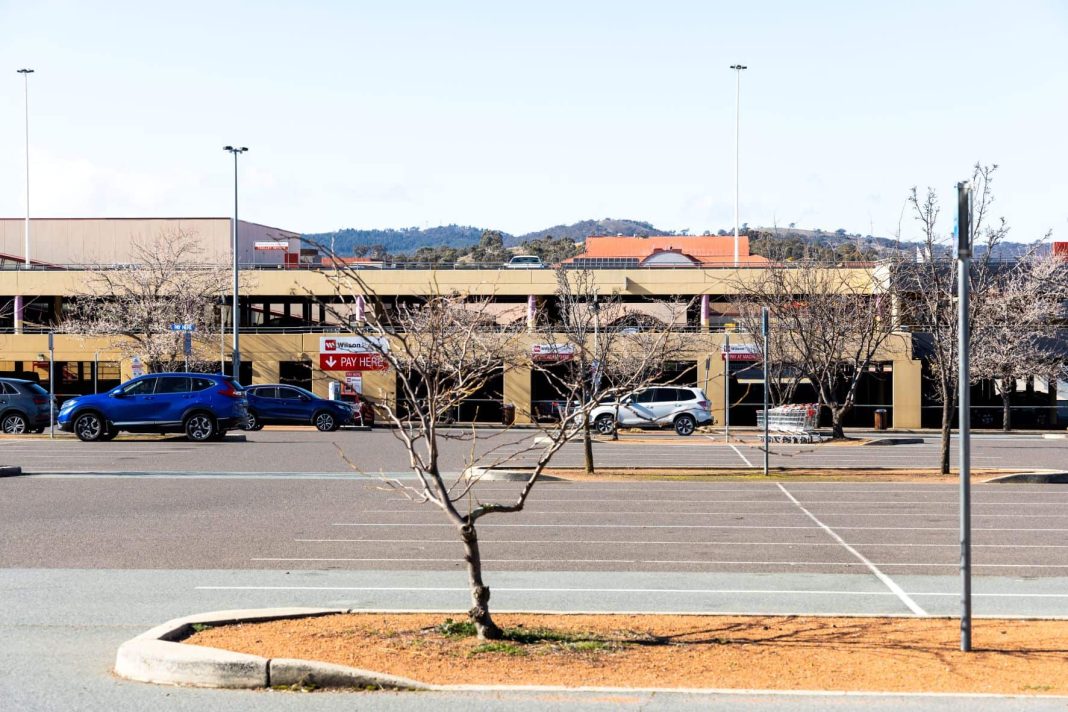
pixel 443 349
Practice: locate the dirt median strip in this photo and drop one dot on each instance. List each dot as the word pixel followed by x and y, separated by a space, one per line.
pixel 1013 657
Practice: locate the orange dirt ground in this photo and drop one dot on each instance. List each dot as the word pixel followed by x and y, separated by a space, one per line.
pixel 756 652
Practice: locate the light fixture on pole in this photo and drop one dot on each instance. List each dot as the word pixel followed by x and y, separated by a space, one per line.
pixel 235 311
pixel 738 68
pixel 26 96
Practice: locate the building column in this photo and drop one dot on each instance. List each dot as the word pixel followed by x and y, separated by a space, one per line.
pixel 517 391
pixel 18 314
pixel 532 313
pixel 908 393
pixel 710 373
pixel 704 312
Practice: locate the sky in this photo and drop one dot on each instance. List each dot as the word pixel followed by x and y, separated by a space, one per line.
pixel 519 116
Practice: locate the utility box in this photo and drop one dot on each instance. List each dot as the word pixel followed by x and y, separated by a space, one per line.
pixel 880 419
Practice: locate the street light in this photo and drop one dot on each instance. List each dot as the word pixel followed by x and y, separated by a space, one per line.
pixel 737 132
pixel 26 95
pixel 235 312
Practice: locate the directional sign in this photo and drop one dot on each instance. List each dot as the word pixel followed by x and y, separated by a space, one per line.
pixel 183 327
pixel 352 362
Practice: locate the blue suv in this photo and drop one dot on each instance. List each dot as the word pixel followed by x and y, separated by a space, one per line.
pixel 278 403
pixel 203 406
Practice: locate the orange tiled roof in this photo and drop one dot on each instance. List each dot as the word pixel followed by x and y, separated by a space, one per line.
pixel 705 249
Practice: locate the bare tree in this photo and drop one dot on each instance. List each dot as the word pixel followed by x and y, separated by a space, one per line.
pixel 607 356
pixel 442 349
pixel 168 283
pixel 927 287
pixel 1017 336
pixel 829 323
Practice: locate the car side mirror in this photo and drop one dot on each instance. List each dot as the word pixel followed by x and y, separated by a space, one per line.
pixel 116 394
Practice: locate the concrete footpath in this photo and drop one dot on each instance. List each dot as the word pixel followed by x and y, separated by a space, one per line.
pixel 62 628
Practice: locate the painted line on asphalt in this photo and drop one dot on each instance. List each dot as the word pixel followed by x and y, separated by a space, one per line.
pixel 557 542
pixel 737 512
pixel 689 562
pixel 889 582
pixel 725 591
pixel 570 525
pixel 744 458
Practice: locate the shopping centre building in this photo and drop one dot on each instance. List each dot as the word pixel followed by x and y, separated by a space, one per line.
pixel 289 307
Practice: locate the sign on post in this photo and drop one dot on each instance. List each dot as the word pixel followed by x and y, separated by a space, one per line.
pixel 183 327
pixel 137 366
pixel 352 353
pixel 741 352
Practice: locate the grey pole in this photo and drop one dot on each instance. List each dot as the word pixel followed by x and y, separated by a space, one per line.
pixel 26 226
pixel 727 386
pixel 235 312
pixel 737 150
pixel 96 370
pixel 964 254
pixel 51 385
pixel 767 415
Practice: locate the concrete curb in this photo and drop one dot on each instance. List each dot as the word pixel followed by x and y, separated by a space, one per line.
pixel 1042 477
pixel 10 471
pixel 505 474
pixel 894 441
pixel 156 656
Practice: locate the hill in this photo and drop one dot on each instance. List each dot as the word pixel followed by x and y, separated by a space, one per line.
pixel 577 232
pixel 351 241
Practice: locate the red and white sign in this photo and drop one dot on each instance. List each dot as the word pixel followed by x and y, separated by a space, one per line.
pixel 352 345
pixel 354 380
pixel 551 352
pixel 270 245
pixel 742 352
pixel 353 362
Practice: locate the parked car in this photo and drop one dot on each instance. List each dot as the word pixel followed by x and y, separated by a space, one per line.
pixel 525 262
pixel 277 404
pixel 203 406
pixel 24 407
pixel 682 408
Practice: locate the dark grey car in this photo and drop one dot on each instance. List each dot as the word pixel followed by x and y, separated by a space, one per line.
pixel 24 407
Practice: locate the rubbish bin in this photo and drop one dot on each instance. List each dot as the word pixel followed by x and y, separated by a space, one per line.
pixel 508 414
pixel 880 418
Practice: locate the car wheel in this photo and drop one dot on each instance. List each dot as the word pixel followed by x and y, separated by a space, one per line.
pixel 325 422
pixel 89 427
pixel 14 424
pixel 685 425
pixel 199 427
pixel 252 423
pixel 605 424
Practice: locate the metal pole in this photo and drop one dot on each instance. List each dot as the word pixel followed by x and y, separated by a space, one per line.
pixel 964 254
pixel 737 149
pixel 764 332
pixel 96 371
pixel 26 226
pixel 726 386
pixel 51 386
pixel 236 310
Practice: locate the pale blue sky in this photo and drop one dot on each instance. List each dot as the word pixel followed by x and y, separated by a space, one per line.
pixel 523 115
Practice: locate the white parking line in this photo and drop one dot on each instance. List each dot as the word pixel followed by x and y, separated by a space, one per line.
pixel 693 562
pixel 744 458
pixel 573 525
pixel 623 542
pixel 725 591
pixel 912 606
pixel 852 512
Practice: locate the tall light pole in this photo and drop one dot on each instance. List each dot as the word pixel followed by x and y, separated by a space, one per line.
pixel 26 96
pixel 235 312
pixel 737 150
pixel 964 261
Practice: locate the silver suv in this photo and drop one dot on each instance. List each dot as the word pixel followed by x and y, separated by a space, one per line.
pixel 24 407
pixel 682 408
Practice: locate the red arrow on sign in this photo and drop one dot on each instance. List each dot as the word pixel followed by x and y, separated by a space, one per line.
pixel 353 362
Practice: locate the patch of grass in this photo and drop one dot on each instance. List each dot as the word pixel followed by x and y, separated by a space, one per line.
pixel 528 636
pixel 587 646
pixel 502 647
pixel 456 629
pixel 201 627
